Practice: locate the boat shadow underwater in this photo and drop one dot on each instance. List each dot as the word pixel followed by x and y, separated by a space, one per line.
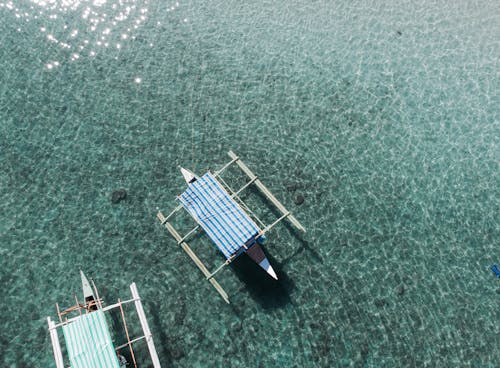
pixel 265 290
pixel 168 346
pixel 268 292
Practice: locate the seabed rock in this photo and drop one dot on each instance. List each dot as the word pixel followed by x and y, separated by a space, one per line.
pixel 299 199
pixel 177 354
pixel 118 196
pixel 400 290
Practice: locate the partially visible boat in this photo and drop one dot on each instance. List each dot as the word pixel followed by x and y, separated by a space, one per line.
pixel 87 336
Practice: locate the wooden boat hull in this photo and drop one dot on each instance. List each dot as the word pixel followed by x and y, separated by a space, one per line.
pixel 88 292
pixel 256 253
pixel 188 175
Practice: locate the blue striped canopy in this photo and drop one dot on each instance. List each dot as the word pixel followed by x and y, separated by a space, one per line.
pixel 219 215
pixel 89 343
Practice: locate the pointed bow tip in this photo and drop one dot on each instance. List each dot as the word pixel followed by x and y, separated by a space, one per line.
pixel 189 176
pixel 271 272
pixel 87 289
pixel 268 268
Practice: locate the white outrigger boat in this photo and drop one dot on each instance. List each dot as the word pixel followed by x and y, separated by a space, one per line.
pixel 87 336
pixel 219 211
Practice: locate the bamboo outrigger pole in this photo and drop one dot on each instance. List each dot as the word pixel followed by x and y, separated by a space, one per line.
pixel 193 256
pixel 56 347
pixel 145 326
pixel 266 192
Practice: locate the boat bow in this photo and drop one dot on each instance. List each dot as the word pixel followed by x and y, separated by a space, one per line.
pixel 256 253
pixel 188 175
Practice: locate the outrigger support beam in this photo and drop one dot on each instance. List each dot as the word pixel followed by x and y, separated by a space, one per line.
pixel 55 343
pixel 234 159
pixel 144 325
pixel 193 256
pixel 209 277
pixel 165 219
pixel 263 189
pixel 269 227
pixel 228 261
pixel 189 234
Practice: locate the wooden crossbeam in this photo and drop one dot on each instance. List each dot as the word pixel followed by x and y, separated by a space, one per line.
pixel 263 189
pixel 129 343
pixel 165 219
pixel 193 256
pixel 269 227
pixel 218 172
pixel 188 234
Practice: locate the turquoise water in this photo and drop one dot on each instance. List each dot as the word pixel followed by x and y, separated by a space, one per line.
pixel 384 116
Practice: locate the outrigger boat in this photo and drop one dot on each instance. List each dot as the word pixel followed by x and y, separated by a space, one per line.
pixel 224 217
pixel 87 336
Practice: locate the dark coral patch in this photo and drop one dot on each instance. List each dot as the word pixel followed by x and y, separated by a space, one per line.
pixel 118 196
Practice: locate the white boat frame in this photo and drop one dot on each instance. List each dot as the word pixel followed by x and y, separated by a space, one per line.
pixel 253 179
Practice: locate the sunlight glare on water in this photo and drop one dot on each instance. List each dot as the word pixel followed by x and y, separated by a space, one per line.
pixel 82 28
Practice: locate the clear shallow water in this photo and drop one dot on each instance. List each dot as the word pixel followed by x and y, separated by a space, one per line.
pixel 383 116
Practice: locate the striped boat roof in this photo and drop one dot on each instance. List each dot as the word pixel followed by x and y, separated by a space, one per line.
pixel 89 343
pixel 219 215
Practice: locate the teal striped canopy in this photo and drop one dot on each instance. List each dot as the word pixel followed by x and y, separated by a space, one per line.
pixel 229 227
pixel 89 343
